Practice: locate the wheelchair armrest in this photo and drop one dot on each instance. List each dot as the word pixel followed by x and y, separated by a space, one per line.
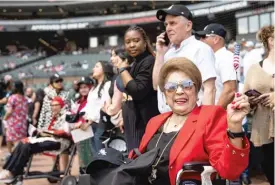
pixel 196 166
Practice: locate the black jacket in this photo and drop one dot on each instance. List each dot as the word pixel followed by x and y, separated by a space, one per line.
pixel 141 87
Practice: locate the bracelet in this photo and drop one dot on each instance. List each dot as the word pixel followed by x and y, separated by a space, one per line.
pixel 234 135
pixel 120 70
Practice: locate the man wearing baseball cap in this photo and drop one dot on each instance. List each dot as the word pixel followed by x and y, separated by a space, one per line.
pixel 214 35
pixel 178 21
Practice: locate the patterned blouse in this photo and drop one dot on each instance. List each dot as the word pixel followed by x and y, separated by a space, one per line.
pixel 46 113
pixel 17 121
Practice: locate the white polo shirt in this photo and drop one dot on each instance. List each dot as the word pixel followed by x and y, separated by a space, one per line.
pixel 225 70
pixel 199 53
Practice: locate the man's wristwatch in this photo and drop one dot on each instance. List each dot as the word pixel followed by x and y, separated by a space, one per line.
pixel 234 135
pixel 120 70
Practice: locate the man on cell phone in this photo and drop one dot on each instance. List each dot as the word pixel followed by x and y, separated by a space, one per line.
pixel 178 22
pixel 214 35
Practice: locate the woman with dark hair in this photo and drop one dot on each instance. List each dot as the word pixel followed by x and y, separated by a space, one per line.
pixel 38 102
pixel 16 115
pixel 113 105
pixel 139 96
pixel 102 73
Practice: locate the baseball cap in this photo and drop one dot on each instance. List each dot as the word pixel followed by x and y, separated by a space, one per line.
pixel 59 100
pixel 55 77
pixel 249 44
pixel 85 80
pixel 105 158
pixel 177 10
pixel 213 28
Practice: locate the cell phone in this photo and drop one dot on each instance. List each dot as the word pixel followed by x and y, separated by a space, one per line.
pixel 166 39
pixel 252 92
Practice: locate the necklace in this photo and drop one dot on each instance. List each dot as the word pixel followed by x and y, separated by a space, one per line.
pixel 153 175
pixel 175 125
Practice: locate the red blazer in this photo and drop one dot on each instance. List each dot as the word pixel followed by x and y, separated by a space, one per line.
pixel 203 137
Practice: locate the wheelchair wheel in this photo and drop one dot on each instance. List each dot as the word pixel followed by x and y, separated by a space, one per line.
pixel 69 180
pixel 55 169
pixel 52 181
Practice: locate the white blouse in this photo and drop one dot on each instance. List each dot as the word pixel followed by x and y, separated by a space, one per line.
pixel 94 103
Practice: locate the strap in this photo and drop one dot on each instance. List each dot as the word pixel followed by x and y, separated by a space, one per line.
pixel 137 152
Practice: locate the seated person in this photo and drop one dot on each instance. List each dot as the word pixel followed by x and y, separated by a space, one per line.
pixel 55 139
pixel 194 133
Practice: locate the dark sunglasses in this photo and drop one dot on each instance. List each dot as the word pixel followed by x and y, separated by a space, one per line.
pixel 173 86
pixel 58 81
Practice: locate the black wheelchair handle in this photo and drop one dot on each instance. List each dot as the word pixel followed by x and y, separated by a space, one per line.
pixel 196 166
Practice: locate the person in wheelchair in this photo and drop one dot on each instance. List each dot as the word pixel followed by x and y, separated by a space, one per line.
pixel 190 132
pixel 55 139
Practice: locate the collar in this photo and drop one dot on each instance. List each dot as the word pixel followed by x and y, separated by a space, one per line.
pixel 82 99
pixel 141 56
pixel 185 42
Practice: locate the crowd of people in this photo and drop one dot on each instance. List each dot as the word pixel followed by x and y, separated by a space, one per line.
pixel 181 99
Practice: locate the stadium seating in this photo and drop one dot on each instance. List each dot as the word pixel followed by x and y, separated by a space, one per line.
pixel 66 65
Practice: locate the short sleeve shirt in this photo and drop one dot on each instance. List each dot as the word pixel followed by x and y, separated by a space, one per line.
pixel 225 70
pixel 200 54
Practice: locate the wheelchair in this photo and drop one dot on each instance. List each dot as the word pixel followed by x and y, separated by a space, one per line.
pixel 53 176
pixel 197 167
pixel 111 138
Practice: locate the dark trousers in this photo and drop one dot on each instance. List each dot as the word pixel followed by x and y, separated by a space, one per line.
pixel 22 153
pixel 96 140
pixel 134 127
pixel 268 162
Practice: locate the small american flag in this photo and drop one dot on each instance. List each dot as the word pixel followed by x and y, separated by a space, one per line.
pixel 236 58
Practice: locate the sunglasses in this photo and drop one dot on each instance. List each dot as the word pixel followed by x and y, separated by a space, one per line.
pixel 173 86
pixel 58 81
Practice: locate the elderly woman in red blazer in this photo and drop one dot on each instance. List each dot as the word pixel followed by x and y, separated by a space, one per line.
pixel 195 133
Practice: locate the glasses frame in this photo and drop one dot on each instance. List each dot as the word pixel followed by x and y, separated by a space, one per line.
pixel 180 83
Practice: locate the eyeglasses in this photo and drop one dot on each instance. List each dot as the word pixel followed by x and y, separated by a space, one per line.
pixel 173 86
